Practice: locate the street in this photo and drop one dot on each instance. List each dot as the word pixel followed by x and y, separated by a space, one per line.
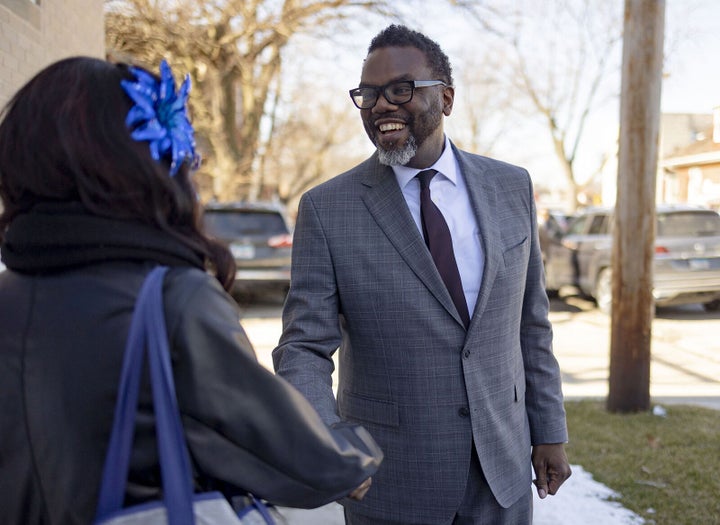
pixel 685 349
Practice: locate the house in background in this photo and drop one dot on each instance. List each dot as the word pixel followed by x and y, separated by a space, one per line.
pixel 35 33
pixel 691 172
pixel 688 162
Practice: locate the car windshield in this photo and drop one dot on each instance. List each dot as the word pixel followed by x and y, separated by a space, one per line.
pixel 232 223
pixel 688 224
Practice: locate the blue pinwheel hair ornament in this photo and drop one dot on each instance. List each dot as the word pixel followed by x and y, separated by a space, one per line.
pixel 160 116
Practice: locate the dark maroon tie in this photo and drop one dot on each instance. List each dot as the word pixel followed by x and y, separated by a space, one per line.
pixel 439 241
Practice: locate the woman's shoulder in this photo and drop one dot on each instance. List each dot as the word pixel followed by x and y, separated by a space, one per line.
pixel 190 289
pixel 185 282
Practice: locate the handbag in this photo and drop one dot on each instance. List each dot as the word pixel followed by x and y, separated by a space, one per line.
pixel 179 506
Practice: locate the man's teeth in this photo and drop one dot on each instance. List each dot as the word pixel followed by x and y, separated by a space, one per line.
pixel 394 126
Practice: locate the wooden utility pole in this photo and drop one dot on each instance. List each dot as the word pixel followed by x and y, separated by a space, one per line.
pixel 634 235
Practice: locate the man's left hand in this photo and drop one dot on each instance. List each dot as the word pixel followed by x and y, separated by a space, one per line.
pixel 551 468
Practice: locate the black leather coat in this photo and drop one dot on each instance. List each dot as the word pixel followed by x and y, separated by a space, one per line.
pixel 62 337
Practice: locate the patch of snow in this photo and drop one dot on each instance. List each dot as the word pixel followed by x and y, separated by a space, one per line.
pixel 581 499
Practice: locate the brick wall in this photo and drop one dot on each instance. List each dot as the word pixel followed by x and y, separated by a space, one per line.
pixel 35 33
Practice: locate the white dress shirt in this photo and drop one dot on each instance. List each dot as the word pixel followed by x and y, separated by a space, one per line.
pixel 449 193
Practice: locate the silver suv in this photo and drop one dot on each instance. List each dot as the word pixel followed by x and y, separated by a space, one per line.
pixel 259 238
pixel 687 257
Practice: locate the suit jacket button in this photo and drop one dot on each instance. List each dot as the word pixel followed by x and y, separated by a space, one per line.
pixel 463 412
pixel 467 353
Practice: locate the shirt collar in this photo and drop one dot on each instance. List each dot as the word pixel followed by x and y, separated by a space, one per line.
pixel 446 165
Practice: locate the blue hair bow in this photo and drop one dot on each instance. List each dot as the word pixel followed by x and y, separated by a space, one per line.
pixel 160 116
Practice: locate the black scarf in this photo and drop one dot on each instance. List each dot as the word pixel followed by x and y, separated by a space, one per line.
pixel 58 236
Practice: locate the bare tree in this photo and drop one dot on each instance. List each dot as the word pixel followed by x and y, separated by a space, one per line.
pixel 310 147
pixel 559 54
pixel 483 105
pixel 233 51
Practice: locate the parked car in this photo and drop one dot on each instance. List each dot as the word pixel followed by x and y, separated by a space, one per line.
pixel 260 239
pixel 551 224
pixel 686 265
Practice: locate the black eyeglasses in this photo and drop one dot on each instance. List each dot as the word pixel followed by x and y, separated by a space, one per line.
pixel 397 93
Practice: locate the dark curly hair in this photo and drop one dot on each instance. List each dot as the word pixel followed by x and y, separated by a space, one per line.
pixel 402 36
pixel 63 138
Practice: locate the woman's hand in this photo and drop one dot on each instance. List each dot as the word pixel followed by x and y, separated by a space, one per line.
pixel 359 493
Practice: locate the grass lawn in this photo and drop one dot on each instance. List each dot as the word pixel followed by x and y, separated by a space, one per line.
pixel 666 469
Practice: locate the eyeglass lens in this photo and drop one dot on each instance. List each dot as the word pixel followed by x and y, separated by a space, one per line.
pixel 395 93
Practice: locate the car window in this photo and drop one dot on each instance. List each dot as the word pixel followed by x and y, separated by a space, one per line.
pixel 247 223
pixel 599 225
pixel 688 224
pixel 577 227
pixel 557 222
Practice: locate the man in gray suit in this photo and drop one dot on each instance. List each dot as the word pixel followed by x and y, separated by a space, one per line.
pixel 461 404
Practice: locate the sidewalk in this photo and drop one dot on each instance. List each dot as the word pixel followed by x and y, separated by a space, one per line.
pixel 685 354
pixel 581 501
pixel 685 370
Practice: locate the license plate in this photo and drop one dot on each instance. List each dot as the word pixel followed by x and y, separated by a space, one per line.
pixel 242 251
pixel 699 264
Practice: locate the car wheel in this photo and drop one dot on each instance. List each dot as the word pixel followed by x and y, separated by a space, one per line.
pixel 603 290
pixel 712 306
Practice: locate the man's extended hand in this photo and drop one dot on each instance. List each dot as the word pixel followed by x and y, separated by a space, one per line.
pixel 551 468
pixel 359 493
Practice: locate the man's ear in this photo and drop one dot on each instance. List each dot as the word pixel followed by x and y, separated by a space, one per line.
pixel 448 99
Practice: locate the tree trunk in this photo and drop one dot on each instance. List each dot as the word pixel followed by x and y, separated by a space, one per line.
pixel 634 235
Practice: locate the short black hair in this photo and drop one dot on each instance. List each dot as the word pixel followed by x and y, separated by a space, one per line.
pixel 402 36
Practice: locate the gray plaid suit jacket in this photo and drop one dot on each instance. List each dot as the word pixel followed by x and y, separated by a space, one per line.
pixel 427 390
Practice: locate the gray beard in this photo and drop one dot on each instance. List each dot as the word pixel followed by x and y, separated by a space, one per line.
pixel 398 156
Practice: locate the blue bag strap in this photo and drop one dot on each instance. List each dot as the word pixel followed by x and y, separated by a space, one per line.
pixel 172 449
pixel 147 329
pixel 117 460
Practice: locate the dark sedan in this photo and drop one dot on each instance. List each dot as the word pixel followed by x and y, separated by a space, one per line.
pixel 259 237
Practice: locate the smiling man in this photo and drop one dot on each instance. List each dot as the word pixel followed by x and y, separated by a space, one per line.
pixel 422 266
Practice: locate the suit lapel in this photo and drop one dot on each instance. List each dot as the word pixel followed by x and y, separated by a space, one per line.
pixel 386 203
pixel 484 202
